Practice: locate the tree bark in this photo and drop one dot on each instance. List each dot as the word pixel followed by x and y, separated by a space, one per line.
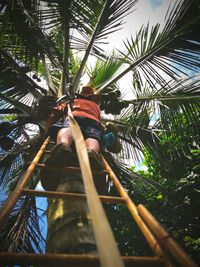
pixel 69 224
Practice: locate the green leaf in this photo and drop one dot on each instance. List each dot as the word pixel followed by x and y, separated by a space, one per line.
pixel 159 197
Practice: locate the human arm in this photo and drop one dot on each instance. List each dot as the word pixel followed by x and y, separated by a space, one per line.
pixel 57 112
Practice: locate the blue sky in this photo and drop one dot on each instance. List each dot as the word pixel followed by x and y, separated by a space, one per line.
pixel 155 3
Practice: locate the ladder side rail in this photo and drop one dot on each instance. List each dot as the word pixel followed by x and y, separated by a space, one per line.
pixel 107 247
pixel 165 239
pixel 14 196
pixel 133 210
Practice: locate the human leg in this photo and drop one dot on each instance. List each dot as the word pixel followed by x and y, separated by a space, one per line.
pixel 60 156
pixel 64 136
pixel 92 144
pixel 93 148
pixel 91 131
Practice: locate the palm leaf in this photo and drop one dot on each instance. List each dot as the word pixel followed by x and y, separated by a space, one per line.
pixel 102 71
pixel 158 111
pixel 12 161
pixel 22 232
pixel 109 20
pixel 14 74
pixel 21 34
pixel 172 51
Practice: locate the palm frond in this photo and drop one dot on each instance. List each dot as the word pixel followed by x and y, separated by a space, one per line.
pixel 82 15
pixel 157 112
pixel 12 161
pixel 177 95
pixel 68 17
pixel 22 36
pixel 136 134
pixel 182 89
pixel 170 51
pixel 109 19
pixel 102 71
pixel 14 73
pixel 22 232
pixel 20 106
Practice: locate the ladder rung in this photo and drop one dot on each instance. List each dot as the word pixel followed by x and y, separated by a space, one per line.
pixel 56 194
pixel 71 260
pixel 68 169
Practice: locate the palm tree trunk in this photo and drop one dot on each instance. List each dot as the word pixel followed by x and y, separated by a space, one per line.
pixel 69 226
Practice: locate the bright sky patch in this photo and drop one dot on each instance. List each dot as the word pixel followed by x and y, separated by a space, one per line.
pixel 155 3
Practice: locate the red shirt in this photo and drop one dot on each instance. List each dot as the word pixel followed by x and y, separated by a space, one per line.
pixel 86 108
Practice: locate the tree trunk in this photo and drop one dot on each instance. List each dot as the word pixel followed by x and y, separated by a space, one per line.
pixel 69 225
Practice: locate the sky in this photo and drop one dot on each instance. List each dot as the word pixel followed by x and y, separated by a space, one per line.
pixel 152 11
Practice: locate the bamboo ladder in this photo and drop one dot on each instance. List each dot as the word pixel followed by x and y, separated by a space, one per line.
pixel 165 250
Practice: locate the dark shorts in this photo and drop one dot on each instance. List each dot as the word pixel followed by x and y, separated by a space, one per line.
pixel 89 128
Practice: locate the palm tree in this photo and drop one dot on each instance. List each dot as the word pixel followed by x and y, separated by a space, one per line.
pixel 40 40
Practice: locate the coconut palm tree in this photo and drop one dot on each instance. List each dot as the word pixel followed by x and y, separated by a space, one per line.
pixel 40 41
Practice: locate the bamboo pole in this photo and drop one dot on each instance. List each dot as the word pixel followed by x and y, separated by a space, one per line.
pixel 133 210
pixel 73 260
pixel 12 199
pixel 164 238
pixel 69 195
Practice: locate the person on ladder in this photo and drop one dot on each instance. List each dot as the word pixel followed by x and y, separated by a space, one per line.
pixel 86 111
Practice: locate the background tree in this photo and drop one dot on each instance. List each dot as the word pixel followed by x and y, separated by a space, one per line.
pixel 175 201
pixel 40 38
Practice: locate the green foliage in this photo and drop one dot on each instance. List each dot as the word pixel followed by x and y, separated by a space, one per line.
pixel 192 243
pixel 127 234
pixel 175 200
pixel 104 70
pixel 176 203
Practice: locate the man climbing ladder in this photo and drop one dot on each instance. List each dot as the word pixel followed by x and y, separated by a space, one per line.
pixel 85 110
pixel 107 247
pixel 85 116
